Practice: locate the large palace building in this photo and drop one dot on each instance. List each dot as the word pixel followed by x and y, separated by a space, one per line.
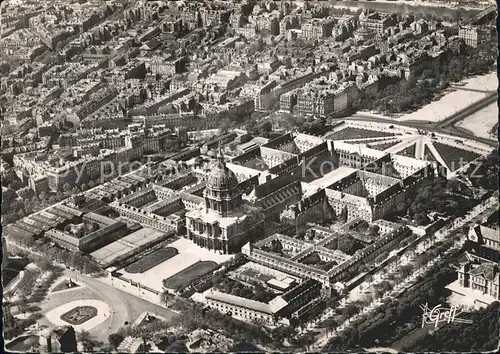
pixel 293 179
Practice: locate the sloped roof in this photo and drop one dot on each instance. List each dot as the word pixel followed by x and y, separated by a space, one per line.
pixel 489 233
pixel 239 301
pixel 488 271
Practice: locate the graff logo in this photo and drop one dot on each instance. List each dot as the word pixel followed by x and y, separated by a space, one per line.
pixel 439 314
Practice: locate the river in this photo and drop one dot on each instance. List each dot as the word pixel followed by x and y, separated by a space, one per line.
pixel 404 8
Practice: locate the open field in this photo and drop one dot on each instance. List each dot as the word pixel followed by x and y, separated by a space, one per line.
pixel 356 133
pixel 481 122
pixel 119 307
pixel 151 260
pixel 382 147
pixel 460 97
pixel 186 276
pixel 453 156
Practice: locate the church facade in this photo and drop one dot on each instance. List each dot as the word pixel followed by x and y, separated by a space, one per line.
pixel 224 224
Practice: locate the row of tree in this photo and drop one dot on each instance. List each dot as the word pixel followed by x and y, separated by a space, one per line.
pixel 397 317
pixel 79 261
pixel 380 328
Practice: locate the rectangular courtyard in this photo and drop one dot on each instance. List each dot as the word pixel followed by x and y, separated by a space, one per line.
pixel 187 255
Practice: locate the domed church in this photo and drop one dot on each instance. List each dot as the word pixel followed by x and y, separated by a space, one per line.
pixel 225 222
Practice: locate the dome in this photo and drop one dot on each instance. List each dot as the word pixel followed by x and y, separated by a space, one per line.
pixel 222 178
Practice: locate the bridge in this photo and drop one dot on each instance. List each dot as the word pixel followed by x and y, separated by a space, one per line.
pixel 483 17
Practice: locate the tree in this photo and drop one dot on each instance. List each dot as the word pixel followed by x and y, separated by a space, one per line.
pixel 348 244
pixel 43 196
pixel 224 125
pixel 283 332
pixel 265 128
pixel 4 68
pixel 177 346
pixel 144 333
pixel 115 340
pixel 276 246
pixel 406 270
pixel 374 230
pixel 306 340
pixel 381 257
pixel 343 215
pixel 350 310
pixel 67 188
pixel 86 340
pixel 43 263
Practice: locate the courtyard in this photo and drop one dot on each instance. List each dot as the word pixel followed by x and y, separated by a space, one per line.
pixel 254 272
pixel 188 255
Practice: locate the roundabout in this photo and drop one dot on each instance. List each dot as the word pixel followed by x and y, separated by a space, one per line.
pixel 81 314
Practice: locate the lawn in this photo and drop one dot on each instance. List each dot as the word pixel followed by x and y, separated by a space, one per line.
pixel 151 260
pixel 454 157
pixel 189 274
pixel 356 133
pixel 408 151
pixel 64 285
pixel 382 147
pixel 24 343
pixel 79 315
